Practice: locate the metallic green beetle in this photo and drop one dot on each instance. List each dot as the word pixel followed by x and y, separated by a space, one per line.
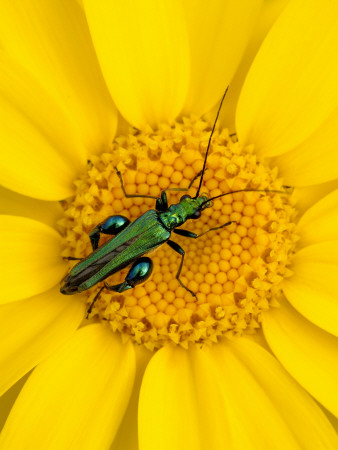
pixel 131 242
pixel 134 239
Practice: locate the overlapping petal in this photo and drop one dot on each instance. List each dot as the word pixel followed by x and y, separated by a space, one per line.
pixel 320 222
pixel 40 152
pixel 77 397
pixel 285 393
pixel 312 289
pixel 30 258
pixel 229 396
pixel 310 195
pixel 214 55
pixel 290 90
pixel 127 436
pixel 52 42
pixel 7 400
pixel 267 16
pixel 308 353
pixel 315 160
pixel 34 328
pixel 15 204
pixel 143 51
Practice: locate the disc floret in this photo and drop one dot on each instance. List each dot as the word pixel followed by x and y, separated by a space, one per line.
pixel 236 271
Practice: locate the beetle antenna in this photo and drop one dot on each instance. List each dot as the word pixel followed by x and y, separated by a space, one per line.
pixel 266 191
pixel 212 132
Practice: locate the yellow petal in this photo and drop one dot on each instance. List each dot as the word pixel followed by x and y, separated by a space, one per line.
pixel 268 14
pixel 77 397
pixel 20 205
pixel 32 329
pixel 30 258
pixel 143 51
pixel 40 154
pixel 313 288
pixel 127 436
pixel 309 195
pixel 308 353
pixel 8 398
pixel 299 411
pixel 332 418
pixel 218 34
pixel 315 160
pixel 291 87
pixel 51 40
pixel 320 222
pixel 220 398
pixel 167 405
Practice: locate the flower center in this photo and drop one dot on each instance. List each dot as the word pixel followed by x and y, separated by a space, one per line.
pixel 236 271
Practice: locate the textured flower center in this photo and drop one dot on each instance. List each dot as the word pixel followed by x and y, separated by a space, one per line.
pixel 236 271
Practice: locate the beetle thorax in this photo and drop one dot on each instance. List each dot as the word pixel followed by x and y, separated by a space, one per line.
pixel 179 213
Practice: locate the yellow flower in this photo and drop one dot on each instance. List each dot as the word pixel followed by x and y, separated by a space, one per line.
pixel 204 376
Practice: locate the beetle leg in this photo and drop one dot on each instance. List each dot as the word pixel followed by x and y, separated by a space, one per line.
pixel 139 272
pixel 217 228
pixel 186 233
pixel 190 234
pixel 180 250
pixel 162 203
pixel 113 225
pixel 92 303
pixel 131 195
pixel 71 258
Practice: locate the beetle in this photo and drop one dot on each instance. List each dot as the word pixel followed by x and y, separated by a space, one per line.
pixel 132 240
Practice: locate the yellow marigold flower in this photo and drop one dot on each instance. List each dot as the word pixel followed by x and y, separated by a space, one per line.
pixel 88 86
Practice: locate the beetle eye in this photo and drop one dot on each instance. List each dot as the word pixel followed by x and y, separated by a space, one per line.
pixel 184 197
pixel 196 215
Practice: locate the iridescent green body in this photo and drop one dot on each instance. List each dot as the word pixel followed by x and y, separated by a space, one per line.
pixel 141 236
pixel 133 240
